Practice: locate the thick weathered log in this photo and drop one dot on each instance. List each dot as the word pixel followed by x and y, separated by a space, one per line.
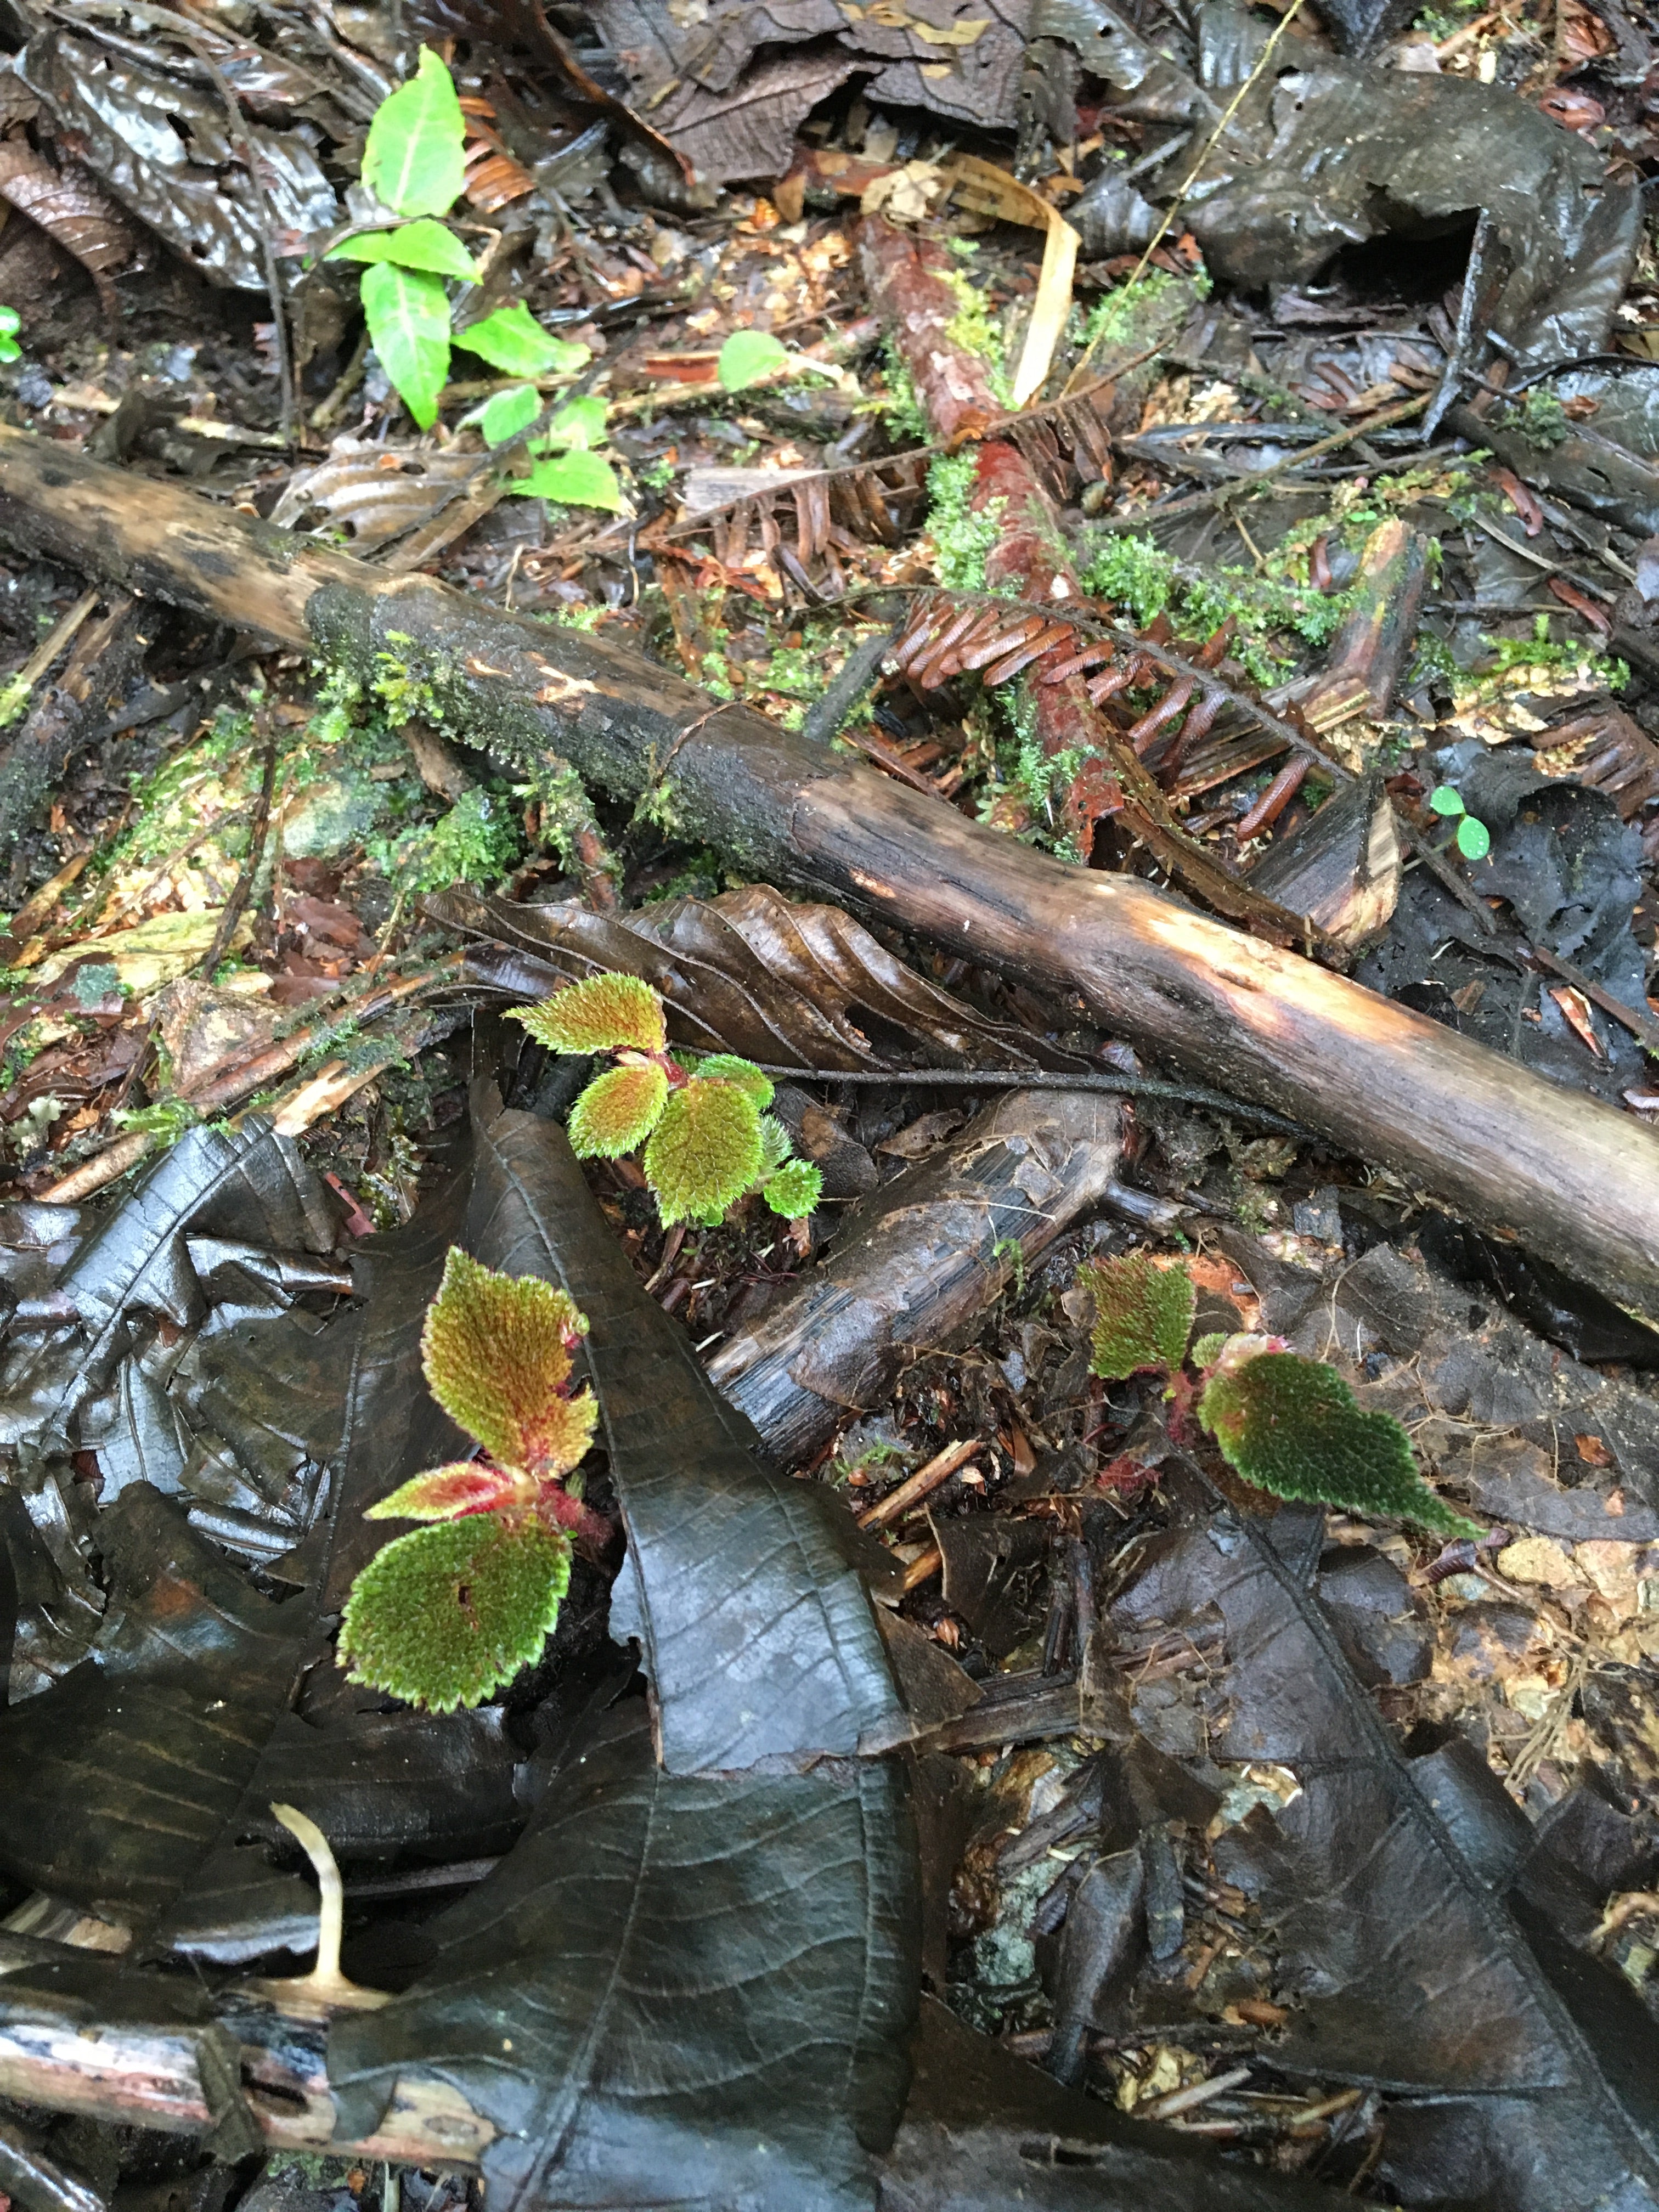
pixel 920 1260
pixel 1522 1158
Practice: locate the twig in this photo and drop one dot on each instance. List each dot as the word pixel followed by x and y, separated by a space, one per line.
pixel 920 1485
pixel 1244 486
pixel 241 890
pixel 1041 1079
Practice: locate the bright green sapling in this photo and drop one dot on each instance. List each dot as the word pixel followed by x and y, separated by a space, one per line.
pixel 413 162
pixel 443 1616
pixel 1286 1424
pixel 709 1139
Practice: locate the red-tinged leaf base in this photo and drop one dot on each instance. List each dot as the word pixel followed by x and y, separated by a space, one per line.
pixel 445 1493
pixel 606 1013
pixel 444 1615
pixel 496 1351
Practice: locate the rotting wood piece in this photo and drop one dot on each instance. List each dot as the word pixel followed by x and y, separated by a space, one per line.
pixel 142 2064
pixel 919 1262
pixel 1520 1157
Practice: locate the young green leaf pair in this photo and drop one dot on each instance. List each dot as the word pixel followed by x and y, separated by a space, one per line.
pixel 1473 838
pixel 413 162
pixel 11 323
pixel 709 1139
pixel 444 1615
pixel 1287 1425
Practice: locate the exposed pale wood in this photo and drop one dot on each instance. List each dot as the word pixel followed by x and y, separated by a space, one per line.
pixel 1521 1157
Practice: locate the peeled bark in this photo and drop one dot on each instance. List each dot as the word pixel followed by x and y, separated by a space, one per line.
pixel 918 1263
pixel 1521 1157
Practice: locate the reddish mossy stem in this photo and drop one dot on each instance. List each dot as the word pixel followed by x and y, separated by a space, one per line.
pixel 905 274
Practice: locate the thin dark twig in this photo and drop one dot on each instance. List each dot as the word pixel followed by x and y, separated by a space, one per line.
pixel 1244 486
pixel 1041 1079
pixel 236 904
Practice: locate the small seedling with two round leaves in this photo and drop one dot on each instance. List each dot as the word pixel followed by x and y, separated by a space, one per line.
pixel 709 1139
pixel 444 1615
pixel 1473 838
pixel 1286 1424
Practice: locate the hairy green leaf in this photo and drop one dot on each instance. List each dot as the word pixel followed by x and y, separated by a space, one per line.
pixel 413 158
pixel 1291 1425
pixel 577 478
pixel 497 1352
pixel 506 413
pixel 603 1013
pixel 513 341
pixel 617 1112
pixel 444 1615
pixel 726 1067
pixel 775 1143
pixel 705 1150
pixel 444 1493
pixel 423 245
pixel 795 1190
pixel 747 355
pixel 1143 1315
pixel 1206 1350
pixel 409 327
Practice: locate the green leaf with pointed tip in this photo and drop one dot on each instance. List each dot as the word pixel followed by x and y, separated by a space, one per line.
pixel 497 1352
pixel 603 1013
pixel 617 1112
pixel 513 341
pixel 1207 1349
pixel 444 1493
pixel 506 413
pixel 408 328
pixel 580 423
pixel 444 1615
pixel 726 1067
pixel 747 355
pixel 1291 1425
pixel 1143 1315
pixel 423 245
pixel 1473 838
pixel 795 1190
pixel 705 1152
pixel 577 478
pixel 413 159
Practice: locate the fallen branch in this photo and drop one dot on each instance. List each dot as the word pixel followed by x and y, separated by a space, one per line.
pixel 918 1262
pixel 1526 1158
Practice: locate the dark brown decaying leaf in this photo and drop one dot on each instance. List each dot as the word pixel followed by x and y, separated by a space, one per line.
pixel 164 149
pixel 72 207
pixel 749 130
pixel 749 972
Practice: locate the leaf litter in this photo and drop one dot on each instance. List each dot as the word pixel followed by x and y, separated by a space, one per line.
pixel 940 1690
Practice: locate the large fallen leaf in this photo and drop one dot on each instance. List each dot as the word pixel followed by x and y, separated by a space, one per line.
pixel 684 1989
pixel 749 972
pixel 1409 1973
pixel 163 148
